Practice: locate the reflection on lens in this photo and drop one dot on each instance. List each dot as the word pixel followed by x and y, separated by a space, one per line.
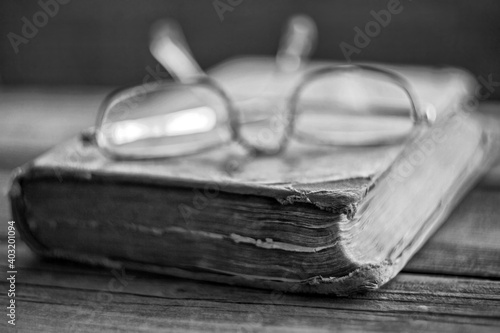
pixel 352 109
pixel 165 120
pixel 190 121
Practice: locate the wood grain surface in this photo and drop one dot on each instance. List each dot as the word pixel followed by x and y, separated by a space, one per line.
pixel 72 297
pixel 451 285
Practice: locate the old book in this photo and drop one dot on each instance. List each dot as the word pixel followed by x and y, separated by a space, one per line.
pixel 313 219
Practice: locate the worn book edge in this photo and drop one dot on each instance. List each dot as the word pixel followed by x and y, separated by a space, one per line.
pixel 366 277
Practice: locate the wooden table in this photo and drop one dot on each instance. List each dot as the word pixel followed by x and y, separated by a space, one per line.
pixel 452 284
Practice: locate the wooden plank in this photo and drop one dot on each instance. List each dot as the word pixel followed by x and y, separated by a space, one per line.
pixel 35 119
pixel 468 242
pixel 66 296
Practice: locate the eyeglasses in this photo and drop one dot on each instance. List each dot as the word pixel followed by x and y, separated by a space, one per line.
pixel 344 105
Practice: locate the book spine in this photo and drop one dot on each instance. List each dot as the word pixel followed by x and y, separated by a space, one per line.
pixel 18 208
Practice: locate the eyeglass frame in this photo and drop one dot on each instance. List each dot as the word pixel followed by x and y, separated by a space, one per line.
pixel 198 78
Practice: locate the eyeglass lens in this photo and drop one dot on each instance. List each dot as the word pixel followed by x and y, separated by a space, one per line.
pixel 352 108
pixel 170 119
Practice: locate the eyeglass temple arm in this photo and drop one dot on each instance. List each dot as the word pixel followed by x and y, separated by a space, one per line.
pixel 297 43
pixel 168 45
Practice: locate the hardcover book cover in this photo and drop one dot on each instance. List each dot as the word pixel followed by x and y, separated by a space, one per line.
pixel 313 219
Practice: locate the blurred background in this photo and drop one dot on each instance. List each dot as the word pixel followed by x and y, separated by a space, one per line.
pixel 106 42
pixel 59 58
